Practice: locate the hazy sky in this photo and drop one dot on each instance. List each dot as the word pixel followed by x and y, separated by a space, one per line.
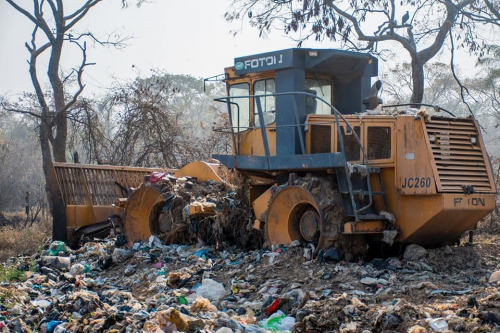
pixel 180 37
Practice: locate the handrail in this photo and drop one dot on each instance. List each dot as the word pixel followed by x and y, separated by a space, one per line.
pixel 263 130
pixel 228 102
pixel 421 104
pixel 339 134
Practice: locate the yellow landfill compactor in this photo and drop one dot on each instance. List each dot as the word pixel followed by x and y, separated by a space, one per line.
pixel 328 164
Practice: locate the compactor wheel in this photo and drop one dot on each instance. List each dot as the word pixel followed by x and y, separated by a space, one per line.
pixel 138 211
pixel 309 209
pixel 293 214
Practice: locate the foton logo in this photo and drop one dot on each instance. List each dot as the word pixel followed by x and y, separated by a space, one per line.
pixel 259 62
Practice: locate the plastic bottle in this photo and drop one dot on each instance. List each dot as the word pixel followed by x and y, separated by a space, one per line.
pixel 438 324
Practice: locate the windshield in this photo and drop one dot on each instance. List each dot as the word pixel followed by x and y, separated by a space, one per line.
pixel 322 89
pixel 240 113
pixel 268 104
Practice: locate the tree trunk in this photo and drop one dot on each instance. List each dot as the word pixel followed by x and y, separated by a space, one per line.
pixel 51 188
pixel 59 143
pixel 61 121
pixel 417 72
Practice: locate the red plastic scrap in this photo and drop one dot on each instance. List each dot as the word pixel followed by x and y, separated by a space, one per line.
pixel 156 176
pixel 273 307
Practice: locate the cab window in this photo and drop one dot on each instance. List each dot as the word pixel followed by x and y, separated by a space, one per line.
pixel 268 104
pixel 322 89
pixel 240 111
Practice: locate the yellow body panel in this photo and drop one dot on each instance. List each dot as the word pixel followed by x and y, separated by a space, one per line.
pixel 364 227
pixel 424 215
pixel 260 204
pixel 252 143
pixel 203 171
pixel 414 173
pixel 79 216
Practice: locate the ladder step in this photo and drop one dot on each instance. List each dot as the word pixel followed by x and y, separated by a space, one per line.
pixel 360 168
pixel 369 217
pixel 364 227
pixel 362 192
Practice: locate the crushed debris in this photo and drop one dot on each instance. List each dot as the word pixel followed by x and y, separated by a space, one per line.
pixel 208 212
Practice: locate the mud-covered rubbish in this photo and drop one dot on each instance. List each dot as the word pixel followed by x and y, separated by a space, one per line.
pixel 159 287
pixel 192 212
pixel 414 252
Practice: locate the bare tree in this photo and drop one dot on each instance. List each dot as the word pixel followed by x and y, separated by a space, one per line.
pixel 440 87
pixel 20 164
pixel 483 95
pixel 490 85
pixel 362 25
pixel 163 120
pixel 53 28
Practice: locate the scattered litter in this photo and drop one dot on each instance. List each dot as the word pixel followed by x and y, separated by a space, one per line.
pixel 114 286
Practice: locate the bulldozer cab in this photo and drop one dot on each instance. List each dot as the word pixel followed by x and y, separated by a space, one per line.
pixel 272 95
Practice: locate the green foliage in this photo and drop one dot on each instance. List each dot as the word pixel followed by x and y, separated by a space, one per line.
pixel 11 274
pixel 5 294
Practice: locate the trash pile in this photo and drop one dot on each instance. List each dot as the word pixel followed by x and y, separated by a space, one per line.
pixel 207 212
pixel 109 286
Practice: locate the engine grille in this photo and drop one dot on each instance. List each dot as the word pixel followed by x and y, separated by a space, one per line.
pixel 351 145
pixel 458 161
pixel 321 137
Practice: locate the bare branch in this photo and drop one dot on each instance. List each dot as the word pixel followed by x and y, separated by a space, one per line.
pixel 452 13
pixel 79 72
pixel 33 74
pixel 23 11
pixel 78 11
pixel 363 37
pixel 9 109
pixel 38 8
pixel 53 7
pixel 83 12
pixel 493 10
pixel 118 43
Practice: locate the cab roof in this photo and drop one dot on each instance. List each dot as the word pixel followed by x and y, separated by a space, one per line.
pixel 331 62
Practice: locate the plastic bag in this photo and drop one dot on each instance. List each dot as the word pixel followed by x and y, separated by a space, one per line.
pixel 278 322
pixel 211 289
pixel 58 247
